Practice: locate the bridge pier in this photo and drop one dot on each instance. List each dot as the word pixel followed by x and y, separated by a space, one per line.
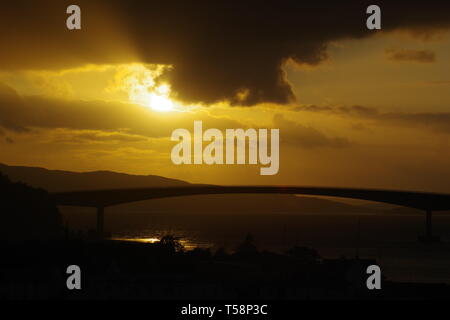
pixel 428 215
pixel 100 222
pixel 428 237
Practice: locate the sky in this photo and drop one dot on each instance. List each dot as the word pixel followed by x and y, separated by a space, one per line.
pixel 355 107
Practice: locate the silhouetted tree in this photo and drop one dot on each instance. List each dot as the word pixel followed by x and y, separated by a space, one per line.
pixel 304 254
pixel 200 253
pixel 220 254
pixel 171 243
pixel 247 249
pixel 27 213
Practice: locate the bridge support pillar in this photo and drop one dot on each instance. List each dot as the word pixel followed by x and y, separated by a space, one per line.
pixel 428 233
pixel 100 222
pixel 428 237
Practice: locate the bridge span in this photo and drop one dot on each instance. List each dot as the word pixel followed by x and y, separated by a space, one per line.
pixel 100 199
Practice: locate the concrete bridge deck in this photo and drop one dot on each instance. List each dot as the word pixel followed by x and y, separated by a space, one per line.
pixel 100 199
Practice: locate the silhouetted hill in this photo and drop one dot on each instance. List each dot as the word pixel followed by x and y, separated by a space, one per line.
pixel 57 180
pixel 27 213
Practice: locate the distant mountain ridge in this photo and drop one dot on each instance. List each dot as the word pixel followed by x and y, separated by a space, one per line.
pixel 59 180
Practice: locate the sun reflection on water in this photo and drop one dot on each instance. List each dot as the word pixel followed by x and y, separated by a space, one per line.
pixel 187 244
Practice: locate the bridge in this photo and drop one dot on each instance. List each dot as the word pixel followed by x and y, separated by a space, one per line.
pixel 100 199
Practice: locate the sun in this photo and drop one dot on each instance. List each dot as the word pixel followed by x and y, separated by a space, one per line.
pixel 159 99
pixel 155 98
pixel 143 87
pixel 160 103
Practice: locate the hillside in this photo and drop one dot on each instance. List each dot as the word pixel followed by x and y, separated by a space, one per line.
pixel 57 180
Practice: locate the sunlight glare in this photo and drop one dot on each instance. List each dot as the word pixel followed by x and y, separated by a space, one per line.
pixel 143 88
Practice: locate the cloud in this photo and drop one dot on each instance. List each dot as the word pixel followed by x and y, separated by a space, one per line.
pixel 356 110
pixel 9 101
pixel 5 137
pixel 217 48
pixel 102 122
pixel 437 122
pixel 109 136
pixel 307 137
pixel 9 140
pixel 437 83
pixel 95 136
pixel 403 55
pixel 23 113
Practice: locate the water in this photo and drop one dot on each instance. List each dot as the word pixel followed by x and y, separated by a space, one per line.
pixel 391 239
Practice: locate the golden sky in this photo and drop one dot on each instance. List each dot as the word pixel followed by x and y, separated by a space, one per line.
pixel 367 111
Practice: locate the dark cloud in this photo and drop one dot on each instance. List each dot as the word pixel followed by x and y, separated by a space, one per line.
pixel 89 136
pixel 22 113
pixel 359 127
pixel 5 137
pixel 10 101
pixel 99 121
pixel 344 110
pixel 438 121
pixel 404 55
pixel 307 137
pixel 9 140
pixel 217 48
pixel 104 137
pixel 437 83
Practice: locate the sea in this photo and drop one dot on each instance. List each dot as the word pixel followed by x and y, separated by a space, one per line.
pixel 390 239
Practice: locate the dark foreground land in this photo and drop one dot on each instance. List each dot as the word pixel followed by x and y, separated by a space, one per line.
pixel 37 269
pixel 164 271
